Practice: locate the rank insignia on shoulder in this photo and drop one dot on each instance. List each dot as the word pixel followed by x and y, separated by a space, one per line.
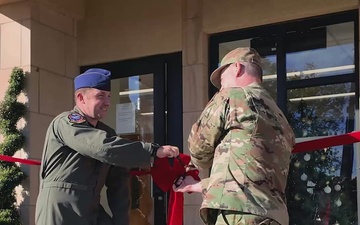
pixel 76 118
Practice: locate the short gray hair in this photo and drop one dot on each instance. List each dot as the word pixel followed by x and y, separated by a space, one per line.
pixel 253 70
pixel 80 90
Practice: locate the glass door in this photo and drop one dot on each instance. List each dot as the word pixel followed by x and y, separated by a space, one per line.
pixel 141 92
pixel 134 120
pixel 311 69
pixel 321 101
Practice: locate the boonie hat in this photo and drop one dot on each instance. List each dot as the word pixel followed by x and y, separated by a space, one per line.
pixel 249 55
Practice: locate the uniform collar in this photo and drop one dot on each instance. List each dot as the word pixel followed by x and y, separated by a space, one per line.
pixel 253 84
pixel 76 109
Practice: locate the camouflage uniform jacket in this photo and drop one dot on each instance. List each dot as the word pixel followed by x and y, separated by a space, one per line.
pixel 247 140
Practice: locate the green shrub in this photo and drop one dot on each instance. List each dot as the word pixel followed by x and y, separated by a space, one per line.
pixel 10 174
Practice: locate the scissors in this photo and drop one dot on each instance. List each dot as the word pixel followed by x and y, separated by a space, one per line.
pixel 184 175
pixel 183 164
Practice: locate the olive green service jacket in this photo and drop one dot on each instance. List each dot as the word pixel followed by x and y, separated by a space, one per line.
pixel 78 160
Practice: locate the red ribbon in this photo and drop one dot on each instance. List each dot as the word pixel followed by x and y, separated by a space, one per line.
pixel 23 161
pixel 342 139
pixel 164 174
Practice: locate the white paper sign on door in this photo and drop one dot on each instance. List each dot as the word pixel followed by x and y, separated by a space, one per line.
pixel 125 118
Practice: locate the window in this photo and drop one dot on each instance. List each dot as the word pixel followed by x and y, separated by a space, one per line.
pixel 311 69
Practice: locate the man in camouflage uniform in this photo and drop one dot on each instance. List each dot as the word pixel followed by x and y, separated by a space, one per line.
pixel 82 154
pixel 247 141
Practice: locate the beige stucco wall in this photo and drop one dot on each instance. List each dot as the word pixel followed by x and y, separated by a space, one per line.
pixel 72 8
pixel 119 29
pixel 225 15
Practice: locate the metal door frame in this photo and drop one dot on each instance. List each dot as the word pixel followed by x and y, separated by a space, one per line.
pixel 168 129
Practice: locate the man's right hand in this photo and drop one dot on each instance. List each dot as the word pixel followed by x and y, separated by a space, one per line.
pixel 167 151
pixel 187 184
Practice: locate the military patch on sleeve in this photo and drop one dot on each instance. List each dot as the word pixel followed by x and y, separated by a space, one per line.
pixel 76 118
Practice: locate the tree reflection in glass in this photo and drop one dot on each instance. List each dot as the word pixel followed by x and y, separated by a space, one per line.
pixel 321 189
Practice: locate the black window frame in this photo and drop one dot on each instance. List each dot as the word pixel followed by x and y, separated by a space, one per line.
pixel 283 85
pixel 280 29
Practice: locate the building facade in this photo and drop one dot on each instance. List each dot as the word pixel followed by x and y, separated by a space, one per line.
pixel 161 54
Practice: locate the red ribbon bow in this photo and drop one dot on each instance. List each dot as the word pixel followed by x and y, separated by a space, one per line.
pixel 164 176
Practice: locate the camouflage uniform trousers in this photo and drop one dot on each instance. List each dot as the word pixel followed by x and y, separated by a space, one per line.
pixel 225 217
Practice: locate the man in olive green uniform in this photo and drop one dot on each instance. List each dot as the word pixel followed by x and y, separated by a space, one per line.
pixel 82 154
pixel 247 141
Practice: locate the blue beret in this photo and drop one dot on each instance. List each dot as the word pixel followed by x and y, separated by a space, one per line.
pixel 94 78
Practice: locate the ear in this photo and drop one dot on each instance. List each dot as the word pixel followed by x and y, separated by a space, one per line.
pixel 80 97
pixel 239 69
